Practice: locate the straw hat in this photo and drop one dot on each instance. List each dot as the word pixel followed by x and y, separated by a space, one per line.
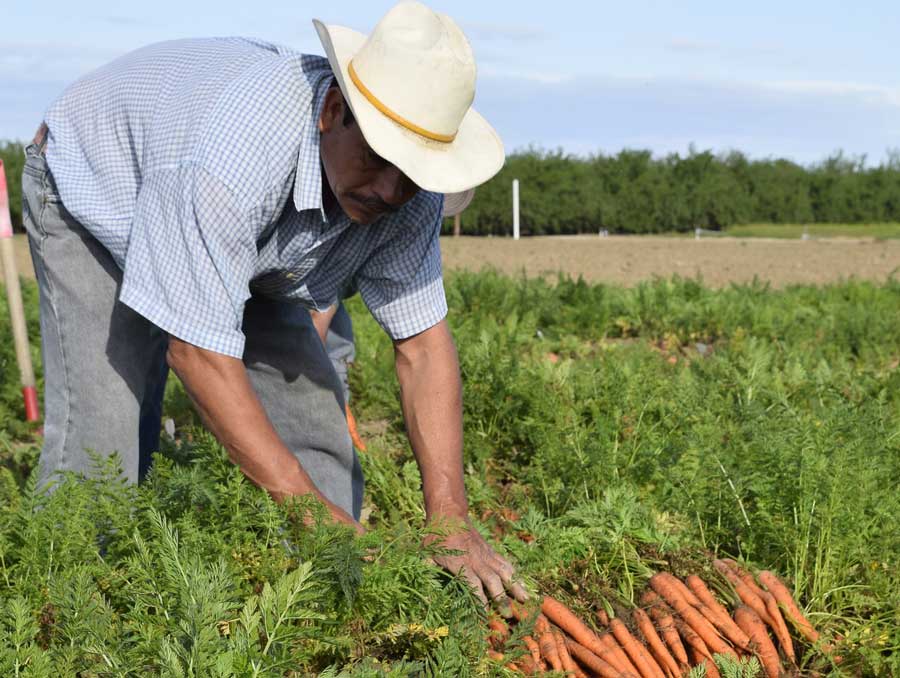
pixel 410 85
pixel 455 203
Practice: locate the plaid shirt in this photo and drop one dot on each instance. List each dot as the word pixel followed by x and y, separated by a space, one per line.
pixel 196 164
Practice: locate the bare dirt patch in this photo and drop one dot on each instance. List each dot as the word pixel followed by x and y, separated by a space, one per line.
pixel 627 260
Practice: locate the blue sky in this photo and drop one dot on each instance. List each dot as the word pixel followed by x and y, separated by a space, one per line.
pixel 797 79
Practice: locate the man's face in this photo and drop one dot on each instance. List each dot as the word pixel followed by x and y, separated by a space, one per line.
pixel 365 185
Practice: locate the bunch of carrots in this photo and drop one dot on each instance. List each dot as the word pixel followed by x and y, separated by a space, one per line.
pixel 680 624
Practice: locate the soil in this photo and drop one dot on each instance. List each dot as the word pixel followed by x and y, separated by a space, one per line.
pixel 627 260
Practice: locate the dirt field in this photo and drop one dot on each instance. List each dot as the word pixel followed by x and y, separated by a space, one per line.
pixel 629 259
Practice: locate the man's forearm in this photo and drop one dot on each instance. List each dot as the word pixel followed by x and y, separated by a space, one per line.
pixel 221 391
pixel 431 397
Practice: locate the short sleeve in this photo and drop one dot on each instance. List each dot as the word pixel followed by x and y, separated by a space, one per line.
pixel 190 259
pixel 402 283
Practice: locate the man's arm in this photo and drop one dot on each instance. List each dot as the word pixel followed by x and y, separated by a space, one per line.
pixel 431 397
pixel 222 392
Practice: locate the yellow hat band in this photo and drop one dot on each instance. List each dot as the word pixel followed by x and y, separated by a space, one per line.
pixel 399 119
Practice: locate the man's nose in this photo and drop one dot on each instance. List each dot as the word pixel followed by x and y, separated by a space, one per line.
pixel 391 186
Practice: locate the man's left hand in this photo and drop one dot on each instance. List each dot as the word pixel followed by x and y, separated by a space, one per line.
pixel 491 576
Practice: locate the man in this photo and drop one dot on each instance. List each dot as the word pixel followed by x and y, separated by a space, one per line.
pixel 187 203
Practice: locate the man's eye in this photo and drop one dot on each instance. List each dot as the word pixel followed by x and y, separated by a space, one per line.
pixel 374 158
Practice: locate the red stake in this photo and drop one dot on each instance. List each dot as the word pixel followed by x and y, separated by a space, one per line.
pixel 16 308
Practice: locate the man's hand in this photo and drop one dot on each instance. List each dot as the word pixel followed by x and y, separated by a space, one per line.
pixel 491 576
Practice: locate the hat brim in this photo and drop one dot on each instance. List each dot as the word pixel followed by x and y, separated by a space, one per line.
pixel 455 203
pixel 473 157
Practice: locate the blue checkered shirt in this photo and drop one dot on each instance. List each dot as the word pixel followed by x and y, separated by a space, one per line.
pixel 196 164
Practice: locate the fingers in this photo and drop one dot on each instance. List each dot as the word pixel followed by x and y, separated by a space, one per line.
pixel 494 587
pixel 507 574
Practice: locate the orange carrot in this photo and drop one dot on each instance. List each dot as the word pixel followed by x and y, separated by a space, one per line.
pixel 565 619
pixel 535 651
pixel 745 593
pixel 354 433
pixel 775 621
pixel 722 621
pixel 663 657
pixel 692 639
pixel 712 671
pixel 786 601
pixel 679 586
pixel 565 658
pixel 549 652
pixel 602 617
pixel 636 652
pixel 592 661
pixel 499 632
pixel 496 656
pixel 700 625
pixel 780 628
pixel 619 656
pixel 749 621
pixel 666 625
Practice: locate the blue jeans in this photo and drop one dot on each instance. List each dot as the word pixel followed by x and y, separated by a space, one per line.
pixel 105 369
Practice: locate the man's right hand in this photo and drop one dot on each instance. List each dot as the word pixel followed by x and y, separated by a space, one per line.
pixel 228 405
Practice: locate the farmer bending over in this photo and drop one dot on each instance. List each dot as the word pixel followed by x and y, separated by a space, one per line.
pixel 189 202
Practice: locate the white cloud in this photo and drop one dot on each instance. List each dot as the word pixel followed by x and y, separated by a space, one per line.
pixel 865 91
pixel 518 33
pixel 21 61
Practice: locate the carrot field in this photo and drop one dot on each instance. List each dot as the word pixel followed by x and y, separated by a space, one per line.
pixel 611 433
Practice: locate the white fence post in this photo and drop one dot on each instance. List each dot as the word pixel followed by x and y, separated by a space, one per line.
pixel 515 209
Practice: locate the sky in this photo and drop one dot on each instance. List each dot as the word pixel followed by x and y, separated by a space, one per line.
pixel 796 79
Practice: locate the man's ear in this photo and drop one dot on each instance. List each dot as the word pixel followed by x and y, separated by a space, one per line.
pixel 332 110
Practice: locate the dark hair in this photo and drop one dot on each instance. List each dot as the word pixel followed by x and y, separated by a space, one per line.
pixel 348 113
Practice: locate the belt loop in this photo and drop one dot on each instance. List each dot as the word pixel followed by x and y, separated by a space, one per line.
pixel 40 139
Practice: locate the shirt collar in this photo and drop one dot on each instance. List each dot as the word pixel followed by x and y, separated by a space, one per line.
pixel 308 180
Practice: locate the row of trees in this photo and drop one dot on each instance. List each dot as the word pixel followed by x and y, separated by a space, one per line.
pixel 633 192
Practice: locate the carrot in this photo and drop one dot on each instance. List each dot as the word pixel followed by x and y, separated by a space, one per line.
pixel 663 657
pixel 568 663
pixel 780 628
pixel 712 671
pixel 745 593
pixel 636 652
pixel 620 657
pixel 692 639
pixel 700 625
pixel 786 601
pixel 354 433
pixel 776 621
pixel 745 575
pixel 499 632
pixel 549 652
pixel 602 617
pixel 722 621
pixel 593 662
pixel 666 624
pixel 679 586
pixel 749 621
pixel 565 619
pixel 535 651
pixel 496 656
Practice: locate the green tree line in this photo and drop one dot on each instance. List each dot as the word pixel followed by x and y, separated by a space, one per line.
pixel 635 192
